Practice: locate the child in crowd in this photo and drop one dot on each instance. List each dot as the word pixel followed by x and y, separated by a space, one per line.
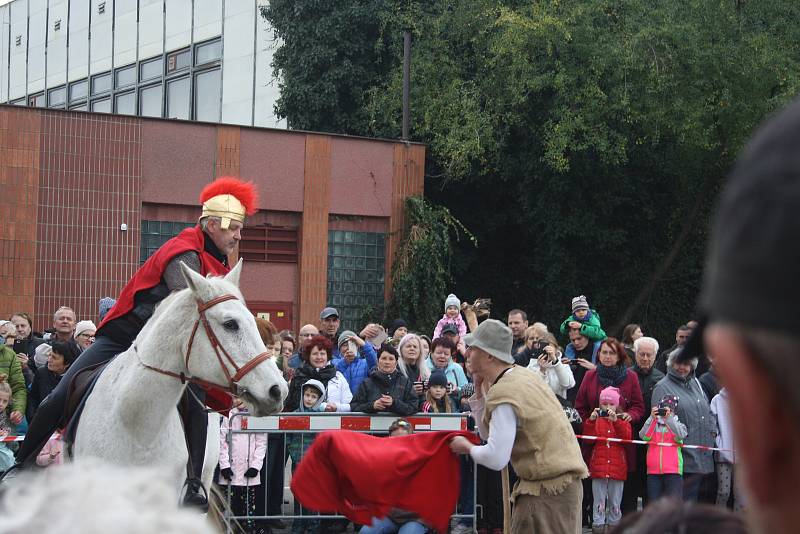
pixel 436 398
pixel 664 462
pixel 52 452
pixel 6 426
pixel 240 464
pixel 452 315
pixel 298 444
pixel 585 319
pixel 725 458
pixel 397 520
pixel 607 466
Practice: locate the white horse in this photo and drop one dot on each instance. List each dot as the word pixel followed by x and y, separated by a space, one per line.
pixel 204 332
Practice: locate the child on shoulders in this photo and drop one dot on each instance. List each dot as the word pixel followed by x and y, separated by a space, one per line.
pixel 585 319
pixel 452 315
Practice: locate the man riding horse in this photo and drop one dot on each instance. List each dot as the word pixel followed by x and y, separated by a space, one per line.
pixel 205 249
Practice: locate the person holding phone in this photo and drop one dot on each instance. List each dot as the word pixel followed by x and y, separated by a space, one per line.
pixel 548 362
pixel 664 461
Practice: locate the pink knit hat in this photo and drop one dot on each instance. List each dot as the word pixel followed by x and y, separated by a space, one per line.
pixel 610 395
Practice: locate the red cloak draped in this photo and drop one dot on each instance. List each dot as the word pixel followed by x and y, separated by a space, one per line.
pixel 362 476
pixel 149 275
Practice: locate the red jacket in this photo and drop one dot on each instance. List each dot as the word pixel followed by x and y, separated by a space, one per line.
pixel 363 476
pixel 608 459
pixel 149 275
pixel 630 401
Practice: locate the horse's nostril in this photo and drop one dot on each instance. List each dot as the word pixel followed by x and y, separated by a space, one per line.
pixel 275 393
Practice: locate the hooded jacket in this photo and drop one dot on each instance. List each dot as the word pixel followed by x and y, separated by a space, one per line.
pixel 10 366
pixel 356 371
pixel 664 460
pixel 454 373
pixel 396 385
pixel 693 410
pixel 608 459
pixel 303 374
pixel 298 444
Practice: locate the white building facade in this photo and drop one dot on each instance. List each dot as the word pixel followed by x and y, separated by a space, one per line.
pixel 203 60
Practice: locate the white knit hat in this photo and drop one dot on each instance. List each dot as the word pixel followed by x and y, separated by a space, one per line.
pixel 451 300
pixel 84 326
pixel 42 353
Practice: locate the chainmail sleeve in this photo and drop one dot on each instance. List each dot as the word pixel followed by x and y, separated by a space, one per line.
pixel 173 276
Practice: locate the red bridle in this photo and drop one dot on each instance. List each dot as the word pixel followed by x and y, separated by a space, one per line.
pixel 219 350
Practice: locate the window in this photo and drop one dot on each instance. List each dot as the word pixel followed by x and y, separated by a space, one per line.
pixel 269 244
pixel 150 101
pixel 20 102
pixel 125 103
pixel 37 101
pixel 156 233
pixel 78 90
pixel 178 60
pixel 57 97
pixel 206 95
pixel 151 69
pixel 356 262
pixel 178 99
pixel 125 76
pixel 102 106
pixel 80 107
pixel 208 52
pixel 101 83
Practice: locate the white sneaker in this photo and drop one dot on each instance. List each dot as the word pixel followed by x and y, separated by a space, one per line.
pixel 459 528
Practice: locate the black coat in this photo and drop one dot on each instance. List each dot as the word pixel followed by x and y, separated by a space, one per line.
pixel 303 374
pixel 396 385
pixel 647 383
pixel 44 382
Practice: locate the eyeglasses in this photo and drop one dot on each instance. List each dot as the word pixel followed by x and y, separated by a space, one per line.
pixel 87 336
pixel 307 335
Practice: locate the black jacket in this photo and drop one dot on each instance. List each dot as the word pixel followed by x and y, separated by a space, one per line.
pixel 396 385
pixel 303 374
pixel 647 383
pixel 44 382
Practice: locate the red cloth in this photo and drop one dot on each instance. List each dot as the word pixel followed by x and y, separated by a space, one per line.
pixel 362 476
pixel 149 275
pixel 608 459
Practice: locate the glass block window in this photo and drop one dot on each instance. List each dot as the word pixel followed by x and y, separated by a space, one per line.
pixel 356 262
pixel 156 233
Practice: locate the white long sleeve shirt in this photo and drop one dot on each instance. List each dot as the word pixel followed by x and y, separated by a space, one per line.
pixel 499 436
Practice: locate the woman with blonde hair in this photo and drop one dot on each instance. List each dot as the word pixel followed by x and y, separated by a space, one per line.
pixel 551 368
pixel 411 362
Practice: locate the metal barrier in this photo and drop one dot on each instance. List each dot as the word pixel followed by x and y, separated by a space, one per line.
pixel 288 435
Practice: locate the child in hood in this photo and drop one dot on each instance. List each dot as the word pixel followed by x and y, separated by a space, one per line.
pixel 608 466
pixel 664 462
pixel 585 319
pixel 298 444
pixel 452 315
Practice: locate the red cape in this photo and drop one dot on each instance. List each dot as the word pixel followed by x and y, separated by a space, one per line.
pixel 362 476
pixel 149 275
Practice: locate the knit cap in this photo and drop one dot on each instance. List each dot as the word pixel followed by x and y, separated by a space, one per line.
pixel 451 300
pixel 397 323
pixel 669 400
pixel 42 353
pixel 343 337
pixel 104 305
pixel 610 395
pixel 579 303
pixel 437 379
pixel 84 326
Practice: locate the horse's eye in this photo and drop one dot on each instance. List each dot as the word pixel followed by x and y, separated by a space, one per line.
pixel 231 325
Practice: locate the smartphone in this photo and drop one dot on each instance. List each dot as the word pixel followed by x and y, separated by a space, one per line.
pixel 352 346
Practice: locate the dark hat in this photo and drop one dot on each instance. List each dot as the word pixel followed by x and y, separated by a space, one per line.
pixel 437 378
pixel 753 256
pixel 328 312
pixel 397 323
pixel 449 328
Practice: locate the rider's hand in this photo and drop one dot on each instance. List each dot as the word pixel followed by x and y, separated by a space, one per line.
pixel 226 473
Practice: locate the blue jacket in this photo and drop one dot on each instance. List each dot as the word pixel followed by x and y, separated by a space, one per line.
pixel 454 373
pixel 569 352
pixel 356 371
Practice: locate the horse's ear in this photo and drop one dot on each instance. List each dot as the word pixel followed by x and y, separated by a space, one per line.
pixel 194 280
pixel 233 275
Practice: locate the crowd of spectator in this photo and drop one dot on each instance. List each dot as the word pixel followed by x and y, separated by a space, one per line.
pixel 609 388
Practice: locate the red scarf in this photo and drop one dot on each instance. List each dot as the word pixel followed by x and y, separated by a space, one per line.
pixel 362 476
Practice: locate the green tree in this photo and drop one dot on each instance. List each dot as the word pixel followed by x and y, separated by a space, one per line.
pixel 581 141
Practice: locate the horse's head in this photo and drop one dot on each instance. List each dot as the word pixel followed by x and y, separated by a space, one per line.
pixel 261 387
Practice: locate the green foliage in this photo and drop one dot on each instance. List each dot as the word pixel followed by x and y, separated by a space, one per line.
pixel 575 138
pixel 420 274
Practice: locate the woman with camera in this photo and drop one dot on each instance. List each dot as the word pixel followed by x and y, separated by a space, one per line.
pixel 546 359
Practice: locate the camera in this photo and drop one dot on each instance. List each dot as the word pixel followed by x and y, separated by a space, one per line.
pixel 538 348
pixel 662 411
pixel 602 413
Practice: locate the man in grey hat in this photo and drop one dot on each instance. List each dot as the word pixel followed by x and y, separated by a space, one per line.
pixel 519 416
pixel 329 324
pixel 750 326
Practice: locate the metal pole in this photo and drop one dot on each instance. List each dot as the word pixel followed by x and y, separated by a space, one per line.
pixel 406 81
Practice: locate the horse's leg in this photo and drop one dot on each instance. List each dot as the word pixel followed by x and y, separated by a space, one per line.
pixel 212 450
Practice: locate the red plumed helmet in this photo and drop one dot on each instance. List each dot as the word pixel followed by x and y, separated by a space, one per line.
pixel 229 199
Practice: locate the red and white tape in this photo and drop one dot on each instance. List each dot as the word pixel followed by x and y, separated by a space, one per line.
pixel 660 444
pixel 363 423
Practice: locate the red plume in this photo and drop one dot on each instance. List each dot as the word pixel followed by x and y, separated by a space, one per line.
pixel 245 192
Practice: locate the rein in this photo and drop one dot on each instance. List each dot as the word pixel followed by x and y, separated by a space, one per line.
pixel 219 350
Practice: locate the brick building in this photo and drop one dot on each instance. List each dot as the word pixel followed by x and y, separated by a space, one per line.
pixel 86 197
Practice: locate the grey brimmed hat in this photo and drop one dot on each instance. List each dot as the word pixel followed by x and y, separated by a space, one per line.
pixel 753 257
pixel 493 337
